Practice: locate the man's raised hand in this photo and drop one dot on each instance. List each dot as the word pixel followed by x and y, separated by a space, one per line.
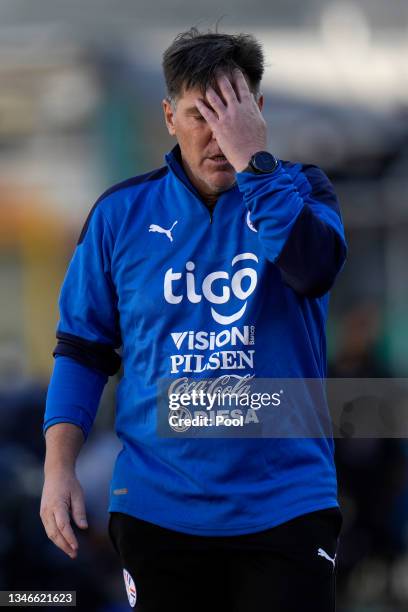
pixel 236 122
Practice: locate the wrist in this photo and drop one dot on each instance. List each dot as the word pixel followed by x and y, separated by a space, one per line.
pixel 243 164
pixel 60 468
pixel 245 155
pixel 261 162
pixel 63 444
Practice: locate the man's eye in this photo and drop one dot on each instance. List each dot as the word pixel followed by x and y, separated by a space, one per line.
pixel 199 117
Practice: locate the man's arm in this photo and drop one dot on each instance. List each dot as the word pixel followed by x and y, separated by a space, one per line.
pixel 299 225
pixel 62 494
pixel 88 333
pixel 297 217
pixel 73 398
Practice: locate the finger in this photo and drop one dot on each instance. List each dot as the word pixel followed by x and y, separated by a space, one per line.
pixel 64 526
pixel 215 101
pixel 78 510
pixel 56 537
pixel 60 541
pixel 241 84
pixel 208 114
pixel 227 89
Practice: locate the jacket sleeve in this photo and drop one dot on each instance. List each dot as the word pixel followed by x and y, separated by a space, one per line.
pixel 299 224
pixel 73 394
pixel 88 330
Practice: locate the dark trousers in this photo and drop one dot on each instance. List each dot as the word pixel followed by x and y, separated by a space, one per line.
pixel 288 568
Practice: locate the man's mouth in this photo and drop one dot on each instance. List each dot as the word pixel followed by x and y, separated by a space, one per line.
pixel 219 159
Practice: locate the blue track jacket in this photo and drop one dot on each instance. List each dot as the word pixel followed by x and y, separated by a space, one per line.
pixel 156 274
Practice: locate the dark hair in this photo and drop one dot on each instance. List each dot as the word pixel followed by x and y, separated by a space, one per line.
pixel 195 58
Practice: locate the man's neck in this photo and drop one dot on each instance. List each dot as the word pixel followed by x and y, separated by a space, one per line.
pixel 209 198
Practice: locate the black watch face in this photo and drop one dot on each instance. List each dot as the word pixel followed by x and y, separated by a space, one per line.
pixel 264 161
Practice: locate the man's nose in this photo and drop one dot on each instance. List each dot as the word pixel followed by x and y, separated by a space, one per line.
pixel 213 137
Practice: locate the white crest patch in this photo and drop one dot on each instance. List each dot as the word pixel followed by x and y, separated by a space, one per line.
pixel 249 223
pixel 130 588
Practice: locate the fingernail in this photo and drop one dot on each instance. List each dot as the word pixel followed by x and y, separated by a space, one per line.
pixel 83 522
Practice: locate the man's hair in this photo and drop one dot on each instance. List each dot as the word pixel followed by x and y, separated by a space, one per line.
pixel 194 59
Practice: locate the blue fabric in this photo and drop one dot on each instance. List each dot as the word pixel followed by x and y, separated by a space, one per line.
pixel 73 394
pixel 145 289
pixel 299 223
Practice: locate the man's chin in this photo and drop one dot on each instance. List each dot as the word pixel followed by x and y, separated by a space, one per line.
pixel 222 182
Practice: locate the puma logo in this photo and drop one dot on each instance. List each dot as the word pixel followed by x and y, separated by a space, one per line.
pixel 156 228
pixel 323 553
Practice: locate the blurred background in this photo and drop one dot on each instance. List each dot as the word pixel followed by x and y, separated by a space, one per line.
pixel 80 109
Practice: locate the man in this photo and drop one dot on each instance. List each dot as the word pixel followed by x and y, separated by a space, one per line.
pixel 176 266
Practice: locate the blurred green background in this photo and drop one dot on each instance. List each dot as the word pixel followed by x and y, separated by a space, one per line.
pixel 80 109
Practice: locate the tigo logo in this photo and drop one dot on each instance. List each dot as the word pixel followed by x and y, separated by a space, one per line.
pixel 208 290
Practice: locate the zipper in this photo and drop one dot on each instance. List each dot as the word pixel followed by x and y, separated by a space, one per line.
pixel 210 209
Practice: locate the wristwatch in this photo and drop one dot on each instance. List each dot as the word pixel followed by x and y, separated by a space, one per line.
pixel 262 162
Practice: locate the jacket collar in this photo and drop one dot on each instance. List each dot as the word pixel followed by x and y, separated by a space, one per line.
pixel 173 159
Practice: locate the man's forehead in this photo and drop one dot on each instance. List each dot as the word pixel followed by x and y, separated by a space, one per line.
pixel 187 96
pixel 186 101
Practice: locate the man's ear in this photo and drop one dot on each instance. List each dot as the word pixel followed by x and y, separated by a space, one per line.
pixel 169 116
pixel 260 102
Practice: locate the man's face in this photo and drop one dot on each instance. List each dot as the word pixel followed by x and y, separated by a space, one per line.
pixel 209 173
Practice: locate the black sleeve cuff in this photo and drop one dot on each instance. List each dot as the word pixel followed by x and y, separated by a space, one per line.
pixel 96 355
pixel 312 256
